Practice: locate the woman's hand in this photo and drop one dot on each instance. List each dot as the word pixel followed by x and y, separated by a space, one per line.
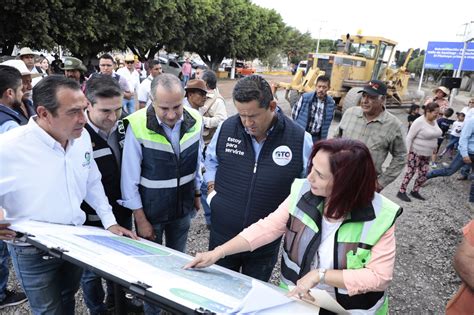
pixel 205 259
pixel 303 285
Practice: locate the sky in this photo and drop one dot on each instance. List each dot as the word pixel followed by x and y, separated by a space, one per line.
pixel 410 23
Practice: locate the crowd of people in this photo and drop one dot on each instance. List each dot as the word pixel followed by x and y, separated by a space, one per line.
pixel 94 156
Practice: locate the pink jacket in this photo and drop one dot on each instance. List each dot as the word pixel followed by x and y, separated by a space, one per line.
pixel 377 274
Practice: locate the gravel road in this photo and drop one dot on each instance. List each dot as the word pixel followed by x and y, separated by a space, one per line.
pixel 427 234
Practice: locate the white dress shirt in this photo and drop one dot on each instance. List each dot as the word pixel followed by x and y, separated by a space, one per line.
pixel 144 89
pixel 39 180
pixel 133 78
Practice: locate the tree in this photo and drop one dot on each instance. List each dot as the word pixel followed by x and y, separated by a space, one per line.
pixel 272 60
pixel 233 28
pixel 88 27
pixel 26 23
pixel 297 45
pixel 156 24
pixel 416 64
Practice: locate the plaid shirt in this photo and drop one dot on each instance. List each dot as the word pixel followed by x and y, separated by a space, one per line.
pixel 382 135
pixel 316 112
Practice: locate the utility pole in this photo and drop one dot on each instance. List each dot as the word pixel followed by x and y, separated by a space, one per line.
pixel 457 73
pixel 319 35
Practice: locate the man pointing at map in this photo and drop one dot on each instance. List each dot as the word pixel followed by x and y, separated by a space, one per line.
pixel 47 170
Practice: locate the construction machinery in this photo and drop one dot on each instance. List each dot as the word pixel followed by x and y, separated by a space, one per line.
pixel 358 60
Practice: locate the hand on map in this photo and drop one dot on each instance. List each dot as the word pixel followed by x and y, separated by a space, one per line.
pixel 203 260
pixel 117 229
pixel 303 286
pixel 5 233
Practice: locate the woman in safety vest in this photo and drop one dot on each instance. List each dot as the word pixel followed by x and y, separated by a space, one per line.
pixel 339 233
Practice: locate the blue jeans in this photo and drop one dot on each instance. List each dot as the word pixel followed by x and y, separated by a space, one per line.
pixel 471 192
pixel 452 144
pixel 129 105
pixel 3 269
pixel 176 235
pixel 185 80
pixel 205 206
pixel 91 283
pixel 94 294
pixel 456 164
pixel 175 231
pixel 258 264
pixel 50 284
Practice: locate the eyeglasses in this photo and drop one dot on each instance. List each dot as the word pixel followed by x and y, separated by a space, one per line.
pixel 105 65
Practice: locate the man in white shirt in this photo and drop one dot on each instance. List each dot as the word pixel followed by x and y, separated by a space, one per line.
pixel 133 79
pixel 143 94
pixel 47 171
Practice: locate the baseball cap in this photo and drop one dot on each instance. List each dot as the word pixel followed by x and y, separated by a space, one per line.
pixel 374 88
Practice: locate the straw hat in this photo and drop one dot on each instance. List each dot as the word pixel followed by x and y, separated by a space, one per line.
pixel 443 89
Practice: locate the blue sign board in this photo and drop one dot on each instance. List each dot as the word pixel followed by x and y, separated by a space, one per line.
pixel 447 55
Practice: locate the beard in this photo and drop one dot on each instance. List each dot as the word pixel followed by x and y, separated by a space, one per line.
pixel 16 104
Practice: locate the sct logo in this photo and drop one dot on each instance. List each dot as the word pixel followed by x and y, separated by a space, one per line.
pixel 282 155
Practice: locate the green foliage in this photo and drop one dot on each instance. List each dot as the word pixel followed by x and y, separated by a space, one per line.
pixel 212 28
pixel 272 60
pixel 233 28
pixel 26 23
pixel 416 64
pixel 297 45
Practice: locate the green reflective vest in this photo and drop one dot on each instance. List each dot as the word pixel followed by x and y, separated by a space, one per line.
pixel 354 239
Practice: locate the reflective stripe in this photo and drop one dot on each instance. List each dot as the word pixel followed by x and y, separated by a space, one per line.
pixel 101 153
pixel 156 145
pixel 298 189
pixel 284 283
pixel 189 142
pixel 93 217
pixel 169 183
pixel 290 264
pixel 377 205
pixel 306 219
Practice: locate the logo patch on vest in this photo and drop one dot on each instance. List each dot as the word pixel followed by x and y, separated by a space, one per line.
pixel 282 155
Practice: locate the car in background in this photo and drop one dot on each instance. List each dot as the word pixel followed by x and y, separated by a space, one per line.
pixel 303 65
pixel 170 66
pixel 174 66
pixel 241 68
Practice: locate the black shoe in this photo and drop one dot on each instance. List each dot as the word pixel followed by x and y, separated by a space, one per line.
pixel 403 196
pixel 13 298
pixel 417 195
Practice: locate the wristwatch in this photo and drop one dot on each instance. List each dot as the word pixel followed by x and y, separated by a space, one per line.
pixel 322 275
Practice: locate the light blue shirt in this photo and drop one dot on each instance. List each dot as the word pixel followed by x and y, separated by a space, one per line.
pixel 212 162
pixel 8 125
pixel 466 141
pixel 132 160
